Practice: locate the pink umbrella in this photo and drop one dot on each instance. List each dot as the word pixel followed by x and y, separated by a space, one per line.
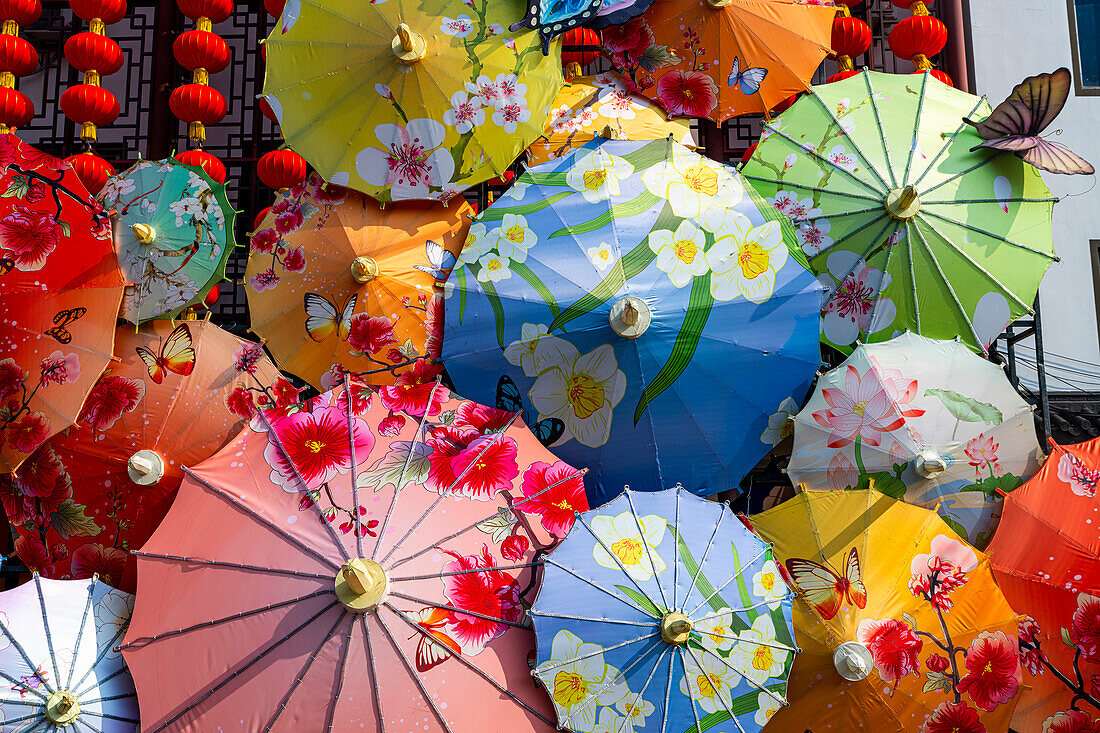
pixel 350 564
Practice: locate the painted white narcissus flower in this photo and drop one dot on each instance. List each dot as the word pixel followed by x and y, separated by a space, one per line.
pixel 579 680
pixel 635 710
pixel 536 350
pixel 714 630
pixel 779 422
pixel 693 184
pixel 680 253
pixel 514 238
pixel 478 244
pixel 766 706
pixel 744 258
pixel 756 654
pixel 596 176
pixel 768 585
pixel 708 680
pixel 602 256
pixel 581 391
pixel 635 551
pixel 494 268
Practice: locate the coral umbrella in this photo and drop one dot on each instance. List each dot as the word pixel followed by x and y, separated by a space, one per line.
pixel 922 420
pixel 663 612
pixel 59 661
pixel 177 393
pixel 337 282
pixel 173 235
pixel 60 288
pixel 409 100
pixel 364 561
pixel 1044 557
pixel 901 625
pixel 602 105
pixel 722 58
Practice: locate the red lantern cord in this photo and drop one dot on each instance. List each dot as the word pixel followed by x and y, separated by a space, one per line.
pixel 17 58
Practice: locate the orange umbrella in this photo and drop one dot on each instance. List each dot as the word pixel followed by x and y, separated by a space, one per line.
pixel 178 393
pixel 340 283
pixel 1045 558
pixel 60 290
pixel 722 58
pixel 587 105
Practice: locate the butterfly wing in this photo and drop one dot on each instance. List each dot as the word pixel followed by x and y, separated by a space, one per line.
pixel 549 430
pixel 67 316
pixel 440 261
pixel 1044 95
pixel 1011 118
pixel 818 584
pixel 7 264
pixel 735 73
pixel 751 79
pixel 508 397
pixel 61 334
pixel 1056 158
pixel 321 317
pixel 434 649
pixel 178 353
pixel 857 590
pixel 344 327
pixel 152 363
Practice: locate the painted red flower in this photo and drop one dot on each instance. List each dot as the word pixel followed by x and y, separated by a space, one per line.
pixel 284 391
pixel 862 410
pixel 93 559
pixel 993 674
pixel 295 260
pixel 553 492
pixel 29 431
pixel 982 454
pixel 1071 721
pixel 247 357
pixel 491 593
pixel 34 555
pixel 19 509
pixel 264 241
pixel 1082 480
pixel 316 443
pixel 937 663
pixel 481 418
pixel 60 368
pixel 484 468
pixel 628 41
pixel 29 237
pixel 416 391
pixel 514 547
pixel 9 149
pixel 391 425
pixel 11 378
pixel 38 475
pixel 1028 641
pixel 937 573
pixel 239 402
pixel 33 159
pixel 326 193
pixel 289 221
pixel 1085 629
pixel 894 647
pixel 362 396
pixel 370 334
pixel 264 280
pixel 111 397
pixel 953 717
pixel 687 93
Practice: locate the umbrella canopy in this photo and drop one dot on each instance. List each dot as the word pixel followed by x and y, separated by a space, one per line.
pixel 922 420
pixel 176 394
pixel 628 295
pixel 409 100
pixel 173 235
pixel 614 12
pixel 722 58
pixel 60 288
pixel 592 105
pixel 1044 558
pixel 364 562
pixel 58 658
pixel 911 228
pixel 901 625
pixel 340 283
pixel 630 640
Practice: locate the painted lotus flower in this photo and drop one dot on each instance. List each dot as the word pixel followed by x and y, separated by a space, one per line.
pixel 554 493
pixel 982 452
pixel 579 680
pixel 410 161
pixel 490 592
pixel 861 410
pixel 634 551
pixel 597 175
pixel 744 259
pixel 1082 480
pixel 757 656
pixel 693 184
pixel 851 303
pixel 680 254
pixel 841 474
pixel 894 647
pixel 315 446
pixel 993 670
pixel 581 391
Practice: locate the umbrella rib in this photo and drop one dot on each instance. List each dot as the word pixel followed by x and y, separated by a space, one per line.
pixel 305 668
pixel 600 650
pixel 102 655
pixel 144 641
pixel 340 680
pixel 234 565
pixel 947 140
pixel 648 549
pixel 862 258
pixel 950 289
pixel 29 717
pixel 533 612
pixel 110 698
pixel 1020 200
pixel 401 479
pixel 727 611
pixel 912 274
pixel 885 272
pixel 46 629
pixel 16 684
pixel 433 576
pixel 638 695
pixel 80 633
pixel 415 675
pixel 242 669
pixel 721 698
pixel 354 484
pixel 373 671
pixel 676 555
pixel 852 233
pixel 614 557
pixel 916 126
pixel 732 578
pixel 467 663
pixel 991 235
pixel 668 693
pixel 996 154
pixel 694 709
pixel 109 716
pixel 818 189
pixel 499 513
pixel 447 492
pixel 751 641
pixel 837 215
pixel 100 680
pixel 855 145
pixel 881 132
pixel 263 520
pixel 463 611
pixel 831 164
pixel 293 467
pixel 699 567
pixel 621 674
pixel 771 693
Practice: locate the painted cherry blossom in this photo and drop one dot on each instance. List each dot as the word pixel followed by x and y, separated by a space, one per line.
pixel 410 161
pixel 465 113
pixel 1082 480
pixel 847 313
pixel 840 157
pixel 460 27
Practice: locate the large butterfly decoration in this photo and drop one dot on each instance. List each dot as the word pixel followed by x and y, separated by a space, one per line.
pixel 440 261
pixel 1016 124
pixel 554 17
pixel 61 319
pixel 826 590
pixel 749 80
pixel 177 355
pixel 547 430
pixel 435 646
pixel 323 319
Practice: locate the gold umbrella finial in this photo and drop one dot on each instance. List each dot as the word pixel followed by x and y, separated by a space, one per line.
pixel 408 45
pixel 144 233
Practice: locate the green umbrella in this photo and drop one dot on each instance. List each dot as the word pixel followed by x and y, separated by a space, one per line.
pixel 908 224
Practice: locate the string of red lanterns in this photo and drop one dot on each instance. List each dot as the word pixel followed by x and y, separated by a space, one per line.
pixel 17 58
pixel 919 37
pixel 851 38
pixel 278 169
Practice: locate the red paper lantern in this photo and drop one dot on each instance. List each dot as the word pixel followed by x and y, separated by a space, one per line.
pixel 201 50
pixel 909 5
pixel 851 36
pixel 93 52
pixel 16 109
pixel 109 11
pixel 259 220
pixel 17 55
pixel 266 111
pixel 274 7
pixel 87 103
pixel 215 10
pixel 281 169
pixel 198 103
pixel 208 162
pixel 917 37
pixel 503 179
pixel 580 37
pixel 841 76
pixel 941 75
pixel 748 153
pixel 263 52
pixel 92 170
pixel 211 298
pixel 23 12
pixel 783 106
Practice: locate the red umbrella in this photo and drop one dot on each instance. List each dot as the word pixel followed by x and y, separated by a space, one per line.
pixel 60 289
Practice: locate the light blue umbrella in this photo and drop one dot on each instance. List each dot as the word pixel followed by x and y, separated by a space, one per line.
pixel 662 612
pixel 644 307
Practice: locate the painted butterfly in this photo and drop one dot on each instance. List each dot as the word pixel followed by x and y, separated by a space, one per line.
pixel 827 590
pixel 440 261
pixel 177 355
pixel 554 17
pixel 7 264
pixel 547 430
pixel 323 319
pixel 749 80
pixel 62 319
pixel 435 646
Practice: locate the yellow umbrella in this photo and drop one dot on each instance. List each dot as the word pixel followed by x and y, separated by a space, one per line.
pixel 338 283
pixel 588 105
pixel 409 99
pixel 901 625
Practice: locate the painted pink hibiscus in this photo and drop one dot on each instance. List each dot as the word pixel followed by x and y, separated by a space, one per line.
pixel 861 410
pixel 491 593
pixel 993 670
pixel 29 237
pixel 315 445
pixel 1082 480
pixel 894 647
pixel 466 463
pixel 96 559
pixel 416 391
pixel 1071 721
pixel 953 717
pixel 29 431
pixel 553 492
pixel 370 334
pixel 110 398
pixel 687 93
pixel 1085 629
